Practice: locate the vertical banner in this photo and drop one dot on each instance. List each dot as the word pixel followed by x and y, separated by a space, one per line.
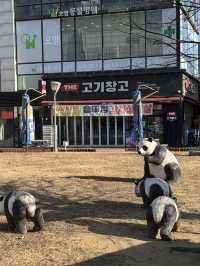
pixel 137 118
pixel 27 120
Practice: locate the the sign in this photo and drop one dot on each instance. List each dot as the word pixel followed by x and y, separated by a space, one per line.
pixel 105 86
pixel 115 87
pixel 190 87
pixel 101 110
pixel 171 116
pixel 90 7
pixel 70 88
pixel 43 86
pixel 6 115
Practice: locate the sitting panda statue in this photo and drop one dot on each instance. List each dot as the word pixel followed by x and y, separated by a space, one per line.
pixel 151 188
pixel 162 214
pixel 158 161
pixel 20 207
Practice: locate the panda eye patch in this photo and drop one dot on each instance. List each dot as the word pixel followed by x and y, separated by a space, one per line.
pixel 144 148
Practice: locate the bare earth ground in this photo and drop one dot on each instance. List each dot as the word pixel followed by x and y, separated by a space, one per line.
pixel 92 216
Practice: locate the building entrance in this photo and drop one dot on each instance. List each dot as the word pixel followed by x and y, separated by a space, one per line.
pixel 92 131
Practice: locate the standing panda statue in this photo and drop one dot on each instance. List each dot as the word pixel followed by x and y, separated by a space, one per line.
pixel 20 207
pixel 162 214
pixel 159 161
pixel 151 188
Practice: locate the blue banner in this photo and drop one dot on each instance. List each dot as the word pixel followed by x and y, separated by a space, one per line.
pixel 27 120
pixel 138 133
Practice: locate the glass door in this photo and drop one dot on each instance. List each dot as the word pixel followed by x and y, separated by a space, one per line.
pixel 63 130
pixel 71 130
pixel 103 130
pixel 79 130
pixel 111 130
pixel 120 136
pixel 95 130
pixel 86 130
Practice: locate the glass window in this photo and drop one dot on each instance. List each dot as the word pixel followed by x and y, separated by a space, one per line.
pixel 154 32
pixel 28 81
pixel 7 132
pixel 28 12
pixel 115 5
pixel 88 38
pixel 138 34
pixel 29 42
pixel 51 40
pixel 116 35
pixel 68 43
pixel 25 2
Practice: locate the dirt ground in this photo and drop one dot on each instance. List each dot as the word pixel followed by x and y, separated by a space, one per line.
pixel 92 215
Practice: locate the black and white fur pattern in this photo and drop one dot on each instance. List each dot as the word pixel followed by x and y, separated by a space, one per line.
pixel 151 188
pixel 20 207
pixel 159 161
pixel 162 214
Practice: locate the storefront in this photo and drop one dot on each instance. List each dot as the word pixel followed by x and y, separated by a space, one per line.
pixel 98 111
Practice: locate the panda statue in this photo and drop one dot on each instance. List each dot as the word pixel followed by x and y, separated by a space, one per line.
pixel 151 188
pixel 158 161
pixel 162 214
pixel 20 207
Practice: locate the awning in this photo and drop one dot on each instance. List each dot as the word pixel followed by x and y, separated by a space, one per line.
pixel 117 101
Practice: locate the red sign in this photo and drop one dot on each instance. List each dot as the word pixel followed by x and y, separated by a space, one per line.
pixel 147 108
pixel 43 87
pixel 6 115
pixel 70 87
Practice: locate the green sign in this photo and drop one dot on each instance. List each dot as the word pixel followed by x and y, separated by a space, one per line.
pixel 29 40
pixel 54 13
pixel 169 32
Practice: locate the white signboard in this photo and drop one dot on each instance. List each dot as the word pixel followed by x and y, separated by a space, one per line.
pixel 29 42
pixel 101 110
pixel 51 40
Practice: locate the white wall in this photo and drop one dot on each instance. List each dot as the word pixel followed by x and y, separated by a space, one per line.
pixel 7 62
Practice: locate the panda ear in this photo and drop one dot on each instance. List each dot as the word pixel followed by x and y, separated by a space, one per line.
pixel 150 139
pixel 1 198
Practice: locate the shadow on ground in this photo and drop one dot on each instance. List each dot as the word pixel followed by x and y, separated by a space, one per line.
pixel 155 253
pixel 106 178
pixel 95 215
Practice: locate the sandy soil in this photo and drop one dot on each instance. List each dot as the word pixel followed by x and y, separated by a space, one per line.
pixel 92 216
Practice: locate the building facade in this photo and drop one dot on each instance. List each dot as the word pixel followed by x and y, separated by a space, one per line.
pixel 101 51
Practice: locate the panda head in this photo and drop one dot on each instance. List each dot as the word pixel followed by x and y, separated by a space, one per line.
pixel 147 147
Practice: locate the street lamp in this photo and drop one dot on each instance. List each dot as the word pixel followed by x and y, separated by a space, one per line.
pixel 55 86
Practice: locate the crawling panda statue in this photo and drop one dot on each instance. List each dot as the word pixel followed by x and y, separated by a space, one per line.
pixel 162 214
pixel 151 188
pixel 20 207
pixel 159 161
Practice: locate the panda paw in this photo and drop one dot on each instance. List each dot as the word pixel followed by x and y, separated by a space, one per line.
pixel 166 237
